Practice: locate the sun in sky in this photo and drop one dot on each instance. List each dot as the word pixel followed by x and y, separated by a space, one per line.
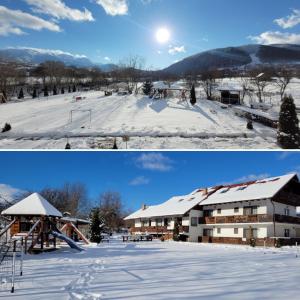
pixel 163 35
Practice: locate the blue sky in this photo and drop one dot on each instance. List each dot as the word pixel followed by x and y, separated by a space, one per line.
pixel 109 30
pixel 141 177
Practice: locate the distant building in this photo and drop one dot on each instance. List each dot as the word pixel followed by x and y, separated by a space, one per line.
pixel 262 211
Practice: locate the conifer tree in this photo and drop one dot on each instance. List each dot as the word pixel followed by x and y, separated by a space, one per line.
pixel 176 231
pixel 54 91
pixel 21 94
pixel 193 95
pixel 34 94
pixel 95 226
pixel 62 90
pixel 74 88
pixel 288 135
pixel 147 88
pixel 69 90
pixel 115 147
pixel 46 93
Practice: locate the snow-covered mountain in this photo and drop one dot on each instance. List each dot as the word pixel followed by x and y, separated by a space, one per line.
pixel 233 57
pixel 35 56
pixel 9 194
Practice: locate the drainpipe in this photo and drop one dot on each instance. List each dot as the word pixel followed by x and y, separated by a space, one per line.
pixel 274 219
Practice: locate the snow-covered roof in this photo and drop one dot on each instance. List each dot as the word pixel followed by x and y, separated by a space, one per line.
pixel 259 189
pixel 33 205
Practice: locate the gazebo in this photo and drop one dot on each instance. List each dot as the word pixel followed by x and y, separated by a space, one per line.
pixel 32 219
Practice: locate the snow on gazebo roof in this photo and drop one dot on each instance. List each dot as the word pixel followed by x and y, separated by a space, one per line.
pixel 33 205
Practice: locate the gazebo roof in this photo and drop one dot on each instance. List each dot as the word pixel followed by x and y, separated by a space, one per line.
pixel 33 205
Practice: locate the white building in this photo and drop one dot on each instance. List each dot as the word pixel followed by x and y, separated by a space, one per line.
pixel 261 211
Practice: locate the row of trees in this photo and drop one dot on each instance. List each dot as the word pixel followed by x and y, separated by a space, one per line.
pixel 254 81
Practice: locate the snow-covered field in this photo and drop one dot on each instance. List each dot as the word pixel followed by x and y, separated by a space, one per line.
pixel 157 270
pixel 46 123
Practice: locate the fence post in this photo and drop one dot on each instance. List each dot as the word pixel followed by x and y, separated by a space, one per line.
pixel 13 269
pixel 22 256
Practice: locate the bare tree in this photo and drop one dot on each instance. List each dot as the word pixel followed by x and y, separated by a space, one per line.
pixel 111 210
pixel 208 82
pixel 283 79
pixel 130 70
pixel 71 198
pixel 260 79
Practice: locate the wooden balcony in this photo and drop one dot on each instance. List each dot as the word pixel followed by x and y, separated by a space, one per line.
pixel 251 219
pixel 158 229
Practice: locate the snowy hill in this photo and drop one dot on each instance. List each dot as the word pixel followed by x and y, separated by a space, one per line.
pixel 35 56
pixel 234 57
pixel 9 194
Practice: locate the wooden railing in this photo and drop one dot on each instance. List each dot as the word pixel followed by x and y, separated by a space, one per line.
pixel 250 219
pixel 34 236
pixel 158 229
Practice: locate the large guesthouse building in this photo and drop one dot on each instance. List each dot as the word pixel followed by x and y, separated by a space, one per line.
pixel 263 212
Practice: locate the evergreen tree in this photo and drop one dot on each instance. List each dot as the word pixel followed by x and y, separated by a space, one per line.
pixel 34 94
pixel 69 90
pixel 54 91
pixel 21 94
pixel 62 90
pixel 95 226
pixel 176 231
pixel 288 135
pixel 115 147
pixel 46 93
pixel 147 88
pixel 74 88
pixel 193 95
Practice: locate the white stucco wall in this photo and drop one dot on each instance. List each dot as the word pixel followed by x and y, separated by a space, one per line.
pixel 279 208
pixel 227 209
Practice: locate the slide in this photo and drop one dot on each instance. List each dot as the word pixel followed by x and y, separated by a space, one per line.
pixel 69 241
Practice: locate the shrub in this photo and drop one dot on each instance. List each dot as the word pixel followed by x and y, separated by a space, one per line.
pixel 6 128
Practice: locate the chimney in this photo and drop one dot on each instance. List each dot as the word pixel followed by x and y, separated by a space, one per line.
pixel 144 206
pixel 205 192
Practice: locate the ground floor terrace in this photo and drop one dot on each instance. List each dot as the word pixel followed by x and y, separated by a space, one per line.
pixel 160 270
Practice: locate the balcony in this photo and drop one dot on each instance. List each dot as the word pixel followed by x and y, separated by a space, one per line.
pixel 158 229
pixel 250 219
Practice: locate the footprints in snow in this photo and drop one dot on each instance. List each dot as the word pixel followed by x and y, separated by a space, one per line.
pixel 79 288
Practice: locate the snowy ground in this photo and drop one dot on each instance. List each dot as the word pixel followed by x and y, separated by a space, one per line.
pixel 169 124
pixel 161 271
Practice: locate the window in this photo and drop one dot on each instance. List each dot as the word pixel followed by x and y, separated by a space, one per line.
pixel 180 200
pixel 219 211
pixel 207 232
pixel 166 222
pixel 286 233
pixel 250 210
pixel 208 213
pixel 200 220
pixel 236 210
pixel 241 188
pixel 286 212
pixel 219 230
pixel 236 231
pixel 194 221
pixel 191 199
pixel 158 222
pixel 179 220
pixel 225 191
pixel 145 223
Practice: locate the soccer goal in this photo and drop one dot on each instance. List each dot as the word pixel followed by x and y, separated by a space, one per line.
pixel 77 112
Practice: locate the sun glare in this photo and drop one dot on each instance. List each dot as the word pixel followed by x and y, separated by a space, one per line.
pixel 163 35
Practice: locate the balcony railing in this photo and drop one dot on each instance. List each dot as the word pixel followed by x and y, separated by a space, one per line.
pixel 250 219
pixel 158 229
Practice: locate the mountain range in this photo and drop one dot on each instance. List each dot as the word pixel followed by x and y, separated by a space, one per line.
pixel 35 56
pixel 230 57
pixel 237 57
pixel 9 194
